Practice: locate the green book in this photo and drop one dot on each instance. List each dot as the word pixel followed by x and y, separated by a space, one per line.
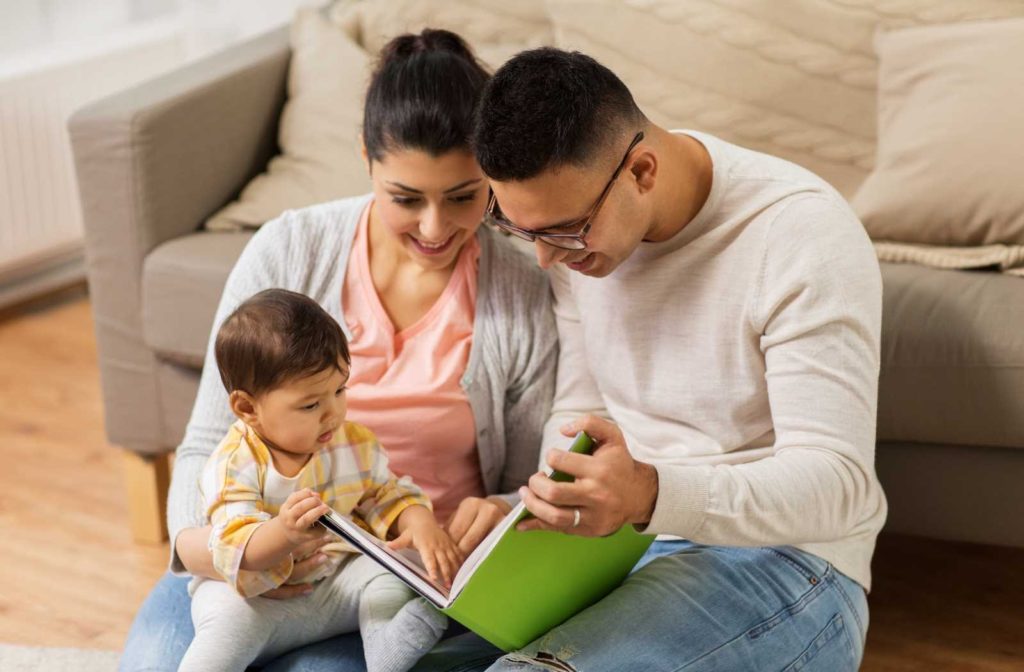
pixel 515 586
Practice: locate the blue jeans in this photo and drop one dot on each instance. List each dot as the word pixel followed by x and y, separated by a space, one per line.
pixel 684 607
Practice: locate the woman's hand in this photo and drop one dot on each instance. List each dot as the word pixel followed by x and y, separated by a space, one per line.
pixel 474 520
pixel 307 558
pixel 192 545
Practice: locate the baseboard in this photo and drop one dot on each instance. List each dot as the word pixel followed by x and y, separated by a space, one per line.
pixel 45 274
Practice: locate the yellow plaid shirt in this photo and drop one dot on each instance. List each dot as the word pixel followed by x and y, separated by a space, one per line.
pixel 241 490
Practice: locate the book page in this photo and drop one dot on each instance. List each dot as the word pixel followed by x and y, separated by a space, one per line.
pixel 406 564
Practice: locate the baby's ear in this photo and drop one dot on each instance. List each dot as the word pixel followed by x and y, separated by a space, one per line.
pixel 244 406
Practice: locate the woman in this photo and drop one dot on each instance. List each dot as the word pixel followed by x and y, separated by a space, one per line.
pixel 451 369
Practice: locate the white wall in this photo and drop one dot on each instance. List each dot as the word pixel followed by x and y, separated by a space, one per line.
pixel 55 57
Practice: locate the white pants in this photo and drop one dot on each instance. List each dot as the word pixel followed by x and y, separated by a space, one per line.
pixel 233 632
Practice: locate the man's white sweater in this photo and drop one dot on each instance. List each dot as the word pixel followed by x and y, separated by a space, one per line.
pixel 741 359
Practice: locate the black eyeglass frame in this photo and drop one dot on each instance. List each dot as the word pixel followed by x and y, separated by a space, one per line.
pixel 565 241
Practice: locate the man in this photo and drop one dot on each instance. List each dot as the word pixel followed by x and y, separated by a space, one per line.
pixel 719 314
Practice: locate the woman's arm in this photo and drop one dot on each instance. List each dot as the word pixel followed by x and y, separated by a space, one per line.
pixel 528 393
pixel 192 548
pixel 531 385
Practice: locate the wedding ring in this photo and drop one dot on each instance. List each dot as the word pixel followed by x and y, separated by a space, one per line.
pixel 575 517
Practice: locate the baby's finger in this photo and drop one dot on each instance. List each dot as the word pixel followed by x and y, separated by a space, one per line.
pixel 431 565
pixel 298 496
pixel 448 567
pixel 307 504
pixel 401 541
pixel 310 517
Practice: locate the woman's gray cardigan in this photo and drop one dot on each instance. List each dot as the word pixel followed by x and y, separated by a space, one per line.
pixel 509 379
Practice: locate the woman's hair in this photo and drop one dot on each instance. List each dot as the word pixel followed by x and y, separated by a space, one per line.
pixel 275 337
pixel 422 95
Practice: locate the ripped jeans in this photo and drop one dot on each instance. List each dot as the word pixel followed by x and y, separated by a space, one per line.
pixel 692 607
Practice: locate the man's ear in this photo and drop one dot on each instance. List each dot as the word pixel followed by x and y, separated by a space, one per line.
pixel 243 405
pixel 644 168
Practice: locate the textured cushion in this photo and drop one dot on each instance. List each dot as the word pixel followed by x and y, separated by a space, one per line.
pixel 952 357
pixel 798 83
pixel 182 281
pixel 949 169
pixel 318 134
pixel 495 29
pixel 320 156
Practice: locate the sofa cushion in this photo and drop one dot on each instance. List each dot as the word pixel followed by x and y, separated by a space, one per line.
pixel 320 157
pixel 797 83
pixel 182 281
pixel 950 137
pixel 952 357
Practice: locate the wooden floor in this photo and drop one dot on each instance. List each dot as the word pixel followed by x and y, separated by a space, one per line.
pixel 71 576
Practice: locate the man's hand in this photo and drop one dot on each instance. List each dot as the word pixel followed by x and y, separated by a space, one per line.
pixel 611 488
pixel 299 514
pixel 418 528
pixel 474 519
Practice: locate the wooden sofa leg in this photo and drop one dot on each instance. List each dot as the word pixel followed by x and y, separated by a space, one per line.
pixel 147 478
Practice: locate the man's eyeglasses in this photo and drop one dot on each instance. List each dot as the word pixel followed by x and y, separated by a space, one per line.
pixel 569 235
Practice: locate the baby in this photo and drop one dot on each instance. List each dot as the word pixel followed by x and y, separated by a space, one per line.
pixel 290 456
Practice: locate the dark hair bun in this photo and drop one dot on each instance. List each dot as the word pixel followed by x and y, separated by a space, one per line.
pixel 423 95
pixel 430 39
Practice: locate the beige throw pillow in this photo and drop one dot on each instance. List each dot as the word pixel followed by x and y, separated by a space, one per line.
pixel 332 54
pixel 950 164
pixel 796 81
pixel 318 134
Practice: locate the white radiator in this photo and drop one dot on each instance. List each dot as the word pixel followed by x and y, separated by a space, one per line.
pixel 40 221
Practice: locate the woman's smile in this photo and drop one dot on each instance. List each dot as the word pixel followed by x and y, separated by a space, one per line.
pixel 424 247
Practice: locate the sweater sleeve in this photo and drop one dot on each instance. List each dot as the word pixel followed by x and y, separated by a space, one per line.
pixel 576 391
pixel 236 510
pixel 260 266
pixel 384 495
pixel 817 309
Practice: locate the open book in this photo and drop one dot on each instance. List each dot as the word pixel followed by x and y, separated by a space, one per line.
pixel 514 586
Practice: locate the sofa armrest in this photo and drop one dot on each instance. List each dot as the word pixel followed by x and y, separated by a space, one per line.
pixel 152 163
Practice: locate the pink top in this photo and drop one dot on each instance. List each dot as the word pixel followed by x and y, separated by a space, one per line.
pixel 406 386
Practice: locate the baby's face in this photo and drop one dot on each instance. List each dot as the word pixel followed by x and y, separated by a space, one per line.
pixel 302 415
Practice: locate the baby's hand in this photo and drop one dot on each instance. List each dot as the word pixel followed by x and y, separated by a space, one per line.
pixel 299 514
pixel 441 555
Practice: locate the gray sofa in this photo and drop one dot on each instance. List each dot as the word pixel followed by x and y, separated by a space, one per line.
pixel 155 161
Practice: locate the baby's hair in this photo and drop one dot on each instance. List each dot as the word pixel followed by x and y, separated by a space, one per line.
pixel 274 337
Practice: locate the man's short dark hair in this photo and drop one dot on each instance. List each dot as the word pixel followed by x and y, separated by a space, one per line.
pixel 274 337
pixel 547 108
